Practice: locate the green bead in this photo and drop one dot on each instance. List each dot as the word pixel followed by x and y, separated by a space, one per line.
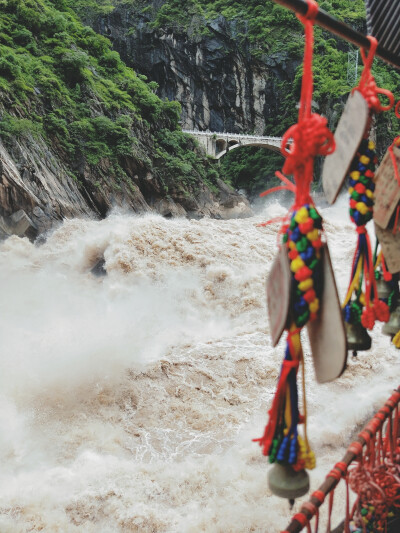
pixel 302 244
pixel 364 180
pixel 285 238
pixel 313 264
pixel 302 319
pixel 314 214
pixel 355 195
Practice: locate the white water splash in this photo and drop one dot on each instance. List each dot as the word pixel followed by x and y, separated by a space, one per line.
pixel 129 402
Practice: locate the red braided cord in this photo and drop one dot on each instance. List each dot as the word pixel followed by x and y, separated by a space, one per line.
pixel 319 495
pixel 301 519
pixel 356 448
pixel 367 85
pixel 311 136
pixel 397 109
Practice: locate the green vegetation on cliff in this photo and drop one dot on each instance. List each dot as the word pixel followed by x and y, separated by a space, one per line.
pixel 269 32
pixel 62 81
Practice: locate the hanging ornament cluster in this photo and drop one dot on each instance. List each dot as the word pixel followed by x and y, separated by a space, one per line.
pixel 362 305
pixel 375 480
pixel 303 243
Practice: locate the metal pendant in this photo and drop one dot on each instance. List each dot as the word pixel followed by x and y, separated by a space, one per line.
pixel 357 338
pixel 287 483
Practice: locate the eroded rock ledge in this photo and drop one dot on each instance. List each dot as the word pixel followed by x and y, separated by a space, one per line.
pixel 37 191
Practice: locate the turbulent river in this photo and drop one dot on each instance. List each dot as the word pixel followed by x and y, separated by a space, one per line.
pixel 128 402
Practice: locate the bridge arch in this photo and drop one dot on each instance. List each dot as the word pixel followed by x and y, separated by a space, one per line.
pixel 217 144
pixel 274 148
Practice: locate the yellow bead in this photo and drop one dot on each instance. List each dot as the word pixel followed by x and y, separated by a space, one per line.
pixel 301 215
pixel 362 208
pixel 296 264
pixel 396 340
pixel 355 175
pixel 364 160
pixel 292 245
pixel 313 235
pixel 306 284
pixel 371 145
pixel 369 193
pixel 314 306
pixel 351 190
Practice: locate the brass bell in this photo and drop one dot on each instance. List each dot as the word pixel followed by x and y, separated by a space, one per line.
pixel 392 326
pixel 383 288
pixel 357 337
pixel 288 483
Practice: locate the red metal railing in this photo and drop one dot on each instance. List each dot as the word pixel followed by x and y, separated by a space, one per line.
pixel 374 475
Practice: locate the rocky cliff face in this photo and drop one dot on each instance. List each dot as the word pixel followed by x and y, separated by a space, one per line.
pixel 220 86
pixel 37 191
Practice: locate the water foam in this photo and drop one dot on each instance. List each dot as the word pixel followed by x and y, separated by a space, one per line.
pixel 129 402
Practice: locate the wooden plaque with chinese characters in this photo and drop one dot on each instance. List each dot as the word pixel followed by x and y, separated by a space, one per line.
pixel 327 334
pixel 348 136
pixel 387 189
pixel 390 244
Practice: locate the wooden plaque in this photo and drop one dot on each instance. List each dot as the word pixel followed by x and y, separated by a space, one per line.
pixel 326 333
pixel 390 247
pixel 278 291
pixel 348 135
pixel 387 190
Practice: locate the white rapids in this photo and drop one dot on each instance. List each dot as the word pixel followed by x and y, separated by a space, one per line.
pixel 128 402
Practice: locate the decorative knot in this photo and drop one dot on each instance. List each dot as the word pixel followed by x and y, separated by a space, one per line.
pixel 311 137
pixel 361 229
pixel 367 85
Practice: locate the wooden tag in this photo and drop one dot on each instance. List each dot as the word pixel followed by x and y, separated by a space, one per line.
pixel 326 333
pixel 348 135
pixel 278 291
pixel 390 247
pixel 387 190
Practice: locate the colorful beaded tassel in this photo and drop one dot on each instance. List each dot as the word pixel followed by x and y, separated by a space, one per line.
pixel 281 440
pixel 362 304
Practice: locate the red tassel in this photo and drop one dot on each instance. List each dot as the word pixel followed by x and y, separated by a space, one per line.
pixel 382 312
pixel 368 318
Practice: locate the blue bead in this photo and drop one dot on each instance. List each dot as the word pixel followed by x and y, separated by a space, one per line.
pixel 357 216
pixel 296 234
pixel 308 254
pixel 300 306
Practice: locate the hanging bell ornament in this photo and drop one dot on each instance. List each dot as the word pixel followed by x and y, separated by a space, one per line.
pixel 383 288
pixel 288 483
pixel 357 338
pixel 392 326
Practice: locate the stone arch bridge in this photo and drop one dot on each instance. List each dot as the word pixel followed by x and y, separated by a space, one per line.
pixel 218 144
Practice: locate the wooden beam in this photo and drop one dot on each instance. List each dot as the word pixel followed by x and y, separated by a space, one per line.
pixel 341 29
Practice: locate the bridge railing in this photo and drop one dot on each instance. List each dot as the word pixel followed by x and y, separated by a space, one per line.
pixel 232 135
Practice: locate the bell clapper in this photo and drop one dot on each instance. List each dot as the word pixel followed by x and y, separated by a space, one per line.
pixel 291 503
pixel 354 354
